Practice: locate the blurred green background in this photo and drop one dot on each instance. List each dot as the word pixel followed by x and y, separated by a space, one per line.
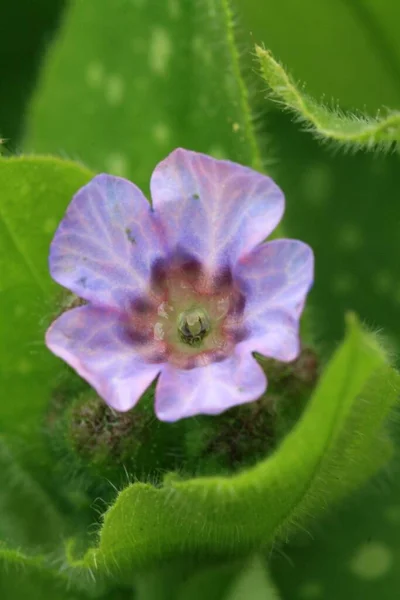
pixel 347 207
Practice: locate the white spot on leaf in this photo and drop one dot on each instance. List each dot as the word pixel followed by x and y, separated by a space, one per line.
pixel 19 310
pixel 116 164
pixel 174 8
pixel 160 51
pixel 94 74
pixel 24 367
pixel 161 133
pixel 383 281
pixel 115 89
pixel 310 590
pixel 371 561
pixel 217 151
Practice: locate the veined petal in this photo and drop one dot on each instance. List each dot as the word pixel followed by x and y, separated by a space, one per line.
pixel 275 279
pixel 93 341
pixel 275 334
pixel 215 209
pixel 209 390
pixel 106 243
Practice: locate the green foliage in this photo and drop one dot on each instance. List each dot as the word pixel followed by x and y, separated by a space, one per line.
pixel 120 99
pixel 340 432
pixel 235 580
pixel 166 75
pixel 23 41
pixel 354 553
pixel 38 577
pixel 345 49
pixel 354 131
pixel 245 434
pixel 34 196
pixel 22 576
pixel 97 449
pixel 347 209
pixel 27 515
pixel 212 582
pixel 253 582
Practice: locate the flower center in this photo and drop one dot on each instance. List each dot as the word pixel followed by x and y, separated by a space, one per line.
pixel 193 326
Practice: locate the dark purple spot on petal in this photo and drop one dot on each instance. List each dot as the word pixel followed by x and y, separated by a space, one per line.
pixel 82 281
pixel 157 358
pixel 158 275
pixel 142 306
pixel 185 259
pixel 189 265
pixel 223 278
pixel 237 304
pixel 240 334
pixel 191 363
pixel 130 236
pixel 217 358
pixel 134 336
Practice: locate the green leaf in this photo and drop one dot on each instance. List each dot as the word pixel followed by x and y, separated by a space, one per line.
pixel 167 74
pixel 355 131
pixel 339 433
pixel 186 579
pixel 362 71
pixel 23 576
pixel 27 515
pixel 355 554
pixel 253 582
pixel 39 578
pixel 23 40
pixel 332 205
pixel 235 580
pixel 34 195
pixel 212 582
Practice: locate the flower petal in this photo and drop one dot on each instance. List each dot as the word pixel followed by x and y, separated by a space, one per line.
pixel 275 279
pixel 215 209
pixel 209 390
pixel 106 243
pixel 94 343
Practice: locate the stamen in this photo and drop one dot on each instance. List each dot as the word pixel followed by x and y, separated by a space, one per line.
pixel 193 326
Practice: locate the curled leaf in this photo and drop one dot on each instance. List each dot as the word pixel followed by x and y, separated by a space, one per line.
pixel 337 444
pixel 351 131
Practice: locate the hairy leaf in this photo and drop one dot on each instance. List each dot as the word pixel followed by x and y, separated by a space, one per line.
pixel 340 432
pixel 305 36
pixel 355 131
pixel 23 576
pixel 27 515
pixel 34 195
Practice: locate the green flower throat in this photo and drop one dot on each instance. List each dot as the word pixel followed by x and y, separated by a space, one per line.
pixel 193 326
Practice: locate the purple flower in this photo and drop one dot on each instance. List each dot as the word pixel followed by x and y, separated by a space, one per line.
pixel 184 289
